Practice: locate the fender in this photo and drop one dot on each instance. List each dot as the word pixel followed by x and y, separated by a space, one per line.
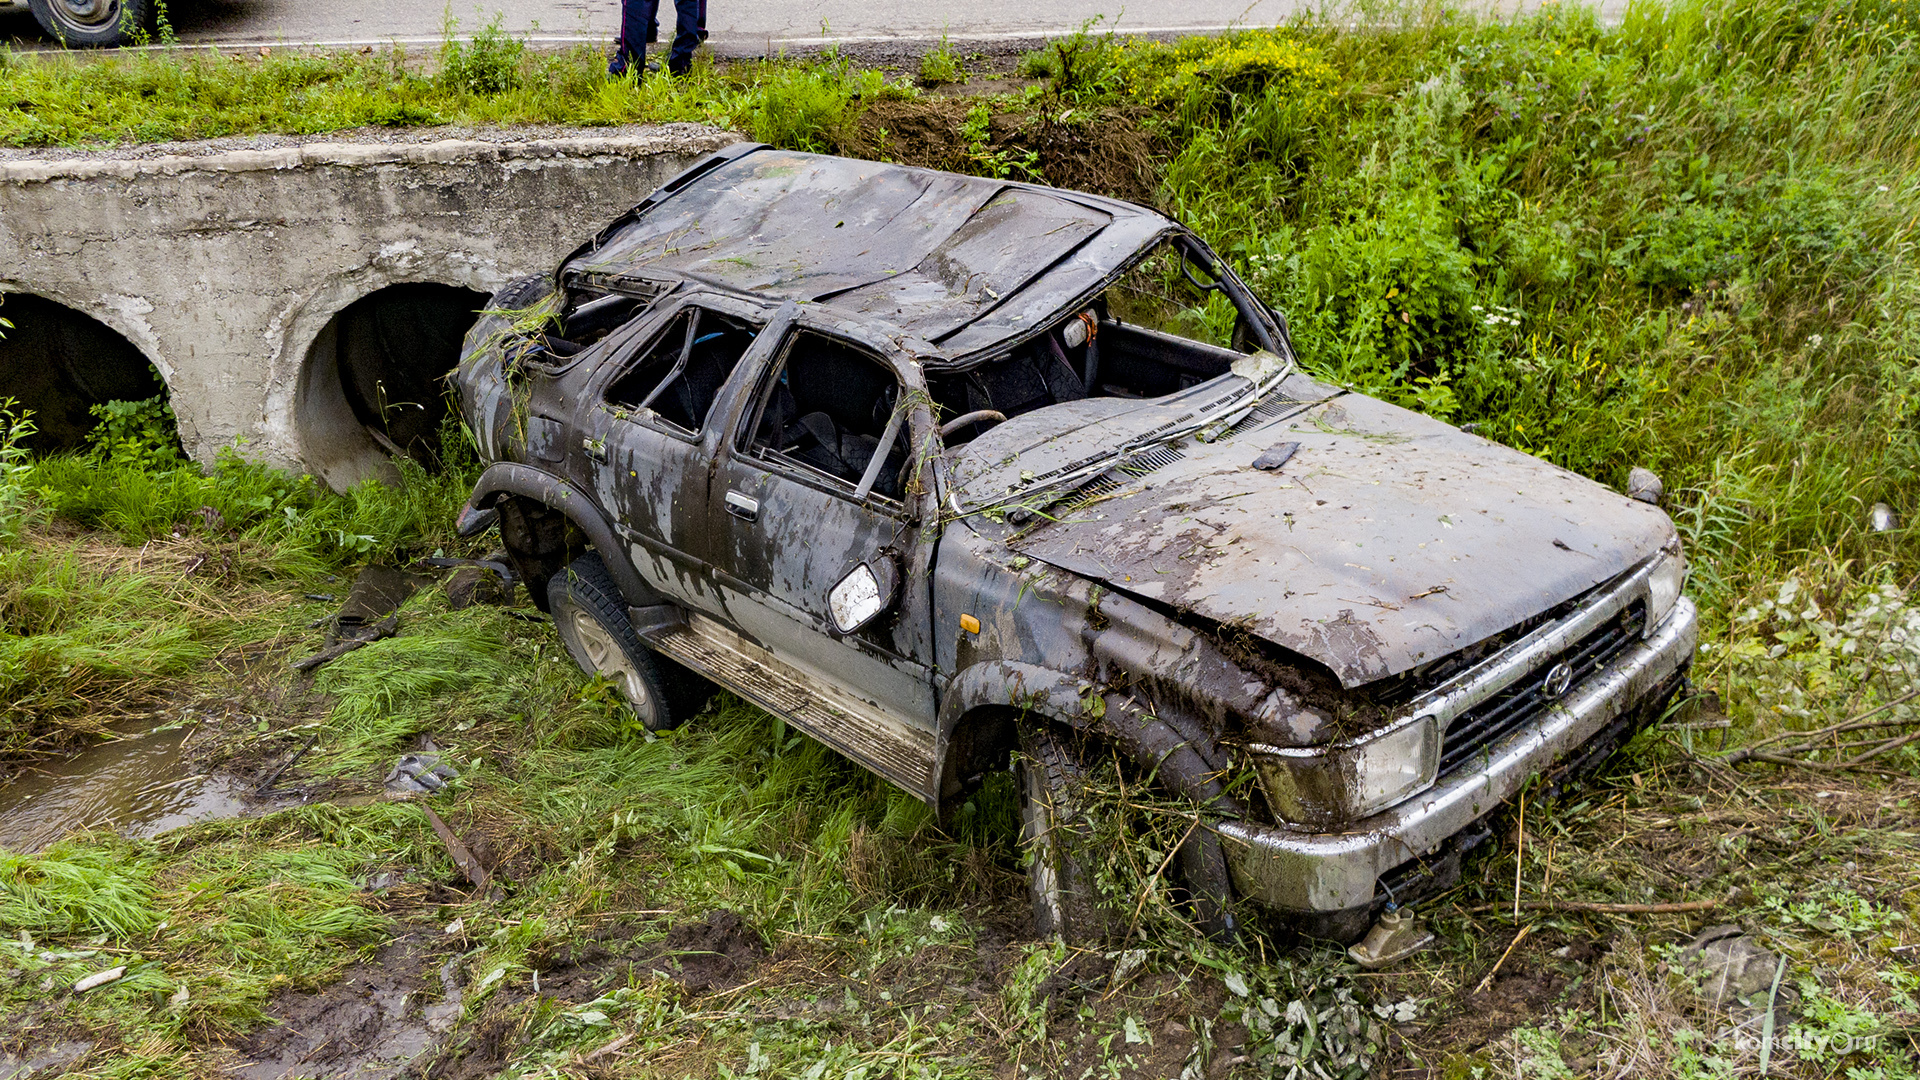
pixel 557 493
pixel 1147 738
pixel 1152 740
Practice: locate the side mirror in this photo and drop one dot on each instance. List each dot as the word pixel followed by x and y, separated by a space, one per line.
pixel 866 592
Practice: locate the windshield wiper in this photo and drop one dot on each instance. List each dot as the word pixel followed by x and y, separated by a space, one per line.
pixel 1263 369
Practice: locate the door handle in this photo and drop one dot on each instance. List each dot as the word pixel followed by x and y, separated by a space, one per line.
pixel 742 507
pixel 596 449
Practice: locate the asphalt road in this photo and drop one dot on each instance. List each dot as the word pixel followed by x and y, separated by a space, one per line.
pixel 737 26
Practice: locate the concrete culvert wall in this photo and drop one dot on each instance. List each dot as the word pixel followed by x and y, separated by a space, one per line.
pixel 302 297
pixel 59 363
pixel 375 380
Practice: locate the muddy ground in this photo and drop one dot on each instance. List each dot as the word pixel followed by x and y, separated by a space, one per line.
pixel 406 1004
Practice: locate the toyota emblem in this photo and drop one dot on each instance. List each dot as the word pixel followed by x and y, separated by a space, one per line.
pixel 1557 681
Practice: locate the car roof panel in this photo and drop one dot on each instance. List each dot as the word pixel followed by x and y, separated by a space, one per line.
pixel 933 254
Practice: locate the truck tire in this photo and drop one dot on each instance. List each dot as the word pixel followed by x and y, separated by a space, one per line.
pixel 92 23
pixel 522 292
pixel 1055 830
pixel 592 620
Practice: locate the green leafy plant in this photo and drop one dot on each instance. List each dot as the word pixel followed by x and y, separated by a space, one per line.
pixel 488 64
pixel 137 433
pixel 942 66
pixel 16 425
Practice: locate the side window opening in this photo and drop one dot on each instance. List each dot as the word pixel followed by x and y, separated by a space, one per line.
pixel 833 409
pixel 591 318
pixel 1172 292
pixel 681 371
pixel 594 319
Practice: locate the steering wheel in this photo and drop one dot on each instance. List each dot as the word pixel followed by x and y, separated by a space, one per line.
pixel 977 416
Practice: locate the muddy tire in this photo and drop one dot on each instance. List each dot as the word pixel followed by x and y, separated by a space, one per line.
pixel 92 23
pixel 592 619
pixel 522 293
pixel 1055 831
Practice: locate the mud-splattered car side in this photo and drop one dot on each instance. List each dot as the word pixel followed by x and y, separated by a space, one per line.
pixel 938 467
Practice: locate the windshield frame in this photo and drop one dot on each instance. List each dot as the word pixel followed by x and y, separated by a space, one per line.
pixel 1269 331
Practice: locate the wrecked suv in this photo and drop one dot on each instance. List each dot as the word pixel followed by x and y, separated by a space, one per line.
pixel 937 468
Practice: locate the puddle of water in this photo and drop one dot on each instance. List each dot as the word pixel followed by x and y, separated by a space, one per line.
pixel 138 785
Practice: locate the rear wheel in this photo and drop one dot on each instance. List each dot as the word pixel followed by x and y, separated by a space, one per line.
pixel 1057 833
pixel 592 620
pixel 92 23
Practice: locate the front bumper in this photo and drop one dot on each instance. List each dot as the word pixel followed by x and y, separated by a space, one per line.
pixel 1297 871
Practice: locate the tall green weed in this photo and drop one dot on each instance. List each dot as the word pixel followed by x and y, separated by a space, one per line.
pixel 1675 242
pixel 16 426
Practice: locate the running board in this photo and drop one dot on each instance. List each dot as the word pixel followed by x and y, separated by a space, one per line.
pixel 898 751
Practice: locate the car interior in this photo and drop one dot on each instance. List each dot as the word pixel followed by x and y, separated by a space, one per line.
pixel 828 408
pixel 1136 340
pixel 678 373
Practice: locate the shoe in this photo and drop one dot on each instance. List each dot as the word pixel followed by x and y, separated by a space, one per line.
pixel 617 66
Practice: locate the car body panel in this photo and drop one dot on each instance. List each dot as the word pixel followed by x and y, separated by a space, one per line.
pixel 964 262
pixel 1386 541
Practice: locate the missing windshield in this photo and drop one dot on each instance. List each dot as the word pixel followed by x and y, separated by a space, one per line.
pixel 1135 340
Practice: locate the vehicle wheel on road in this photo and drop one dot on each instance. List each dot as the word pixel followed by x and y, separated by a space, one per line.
pixel 1055 830
pixel 592 620
pixel 92 23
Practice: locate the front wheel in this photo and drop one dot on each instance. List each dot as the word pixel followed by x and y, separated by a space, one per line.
pixel 92 23
pixel 1057 833
pixel 592 620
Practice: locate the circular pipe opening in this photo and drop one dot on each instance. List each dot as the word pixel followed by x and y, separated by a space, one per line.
pixel 59 363
pixel 374 383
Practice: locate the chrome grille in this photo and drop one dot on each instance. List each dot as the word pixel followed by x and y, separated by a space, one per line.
pixel 1524 700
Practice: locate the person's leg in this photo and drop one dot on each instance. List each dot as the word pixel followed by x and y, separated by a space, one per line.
pixel 630 50
pixel 686 35
pixel 703 20
pixel 653 21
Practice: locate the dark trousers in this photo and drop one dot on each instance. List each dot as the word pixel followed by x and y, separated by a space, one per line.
pixel 640 24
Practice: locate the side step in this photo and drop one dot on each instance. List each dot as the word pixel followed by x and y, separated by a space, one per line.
pixel 898 751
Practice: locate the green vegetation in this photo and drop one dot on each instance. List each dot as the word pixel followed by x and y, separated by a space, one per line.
pixel 1684 242
pixel 942 66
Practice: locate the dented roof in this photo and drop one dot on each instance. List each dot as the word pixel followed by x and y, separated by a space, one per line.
pixel 964 262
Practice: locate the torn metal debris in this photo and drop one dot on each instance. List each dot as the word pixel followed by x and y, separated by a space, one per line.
pixel 420 774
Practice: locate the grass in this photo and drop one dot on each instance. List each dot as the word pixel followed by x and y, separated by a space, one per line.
pixel 78 101
pixel 942 66
pixel 1684 241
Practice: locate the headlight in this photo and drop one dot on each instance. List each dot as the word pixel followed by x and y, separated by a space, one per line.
pixel 1338 783
pixel 1664 583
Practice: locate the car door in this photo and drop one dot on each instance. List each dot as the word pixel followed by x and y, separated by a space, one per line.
pixel 799 503
pixel 649 439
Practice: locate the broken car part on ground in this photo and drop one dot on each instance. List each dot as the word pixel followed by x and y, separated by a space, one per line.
pixel 934 468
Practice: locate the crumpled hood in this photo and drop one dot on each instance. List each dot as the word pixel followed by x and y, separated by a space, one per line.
pixel 1386 541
